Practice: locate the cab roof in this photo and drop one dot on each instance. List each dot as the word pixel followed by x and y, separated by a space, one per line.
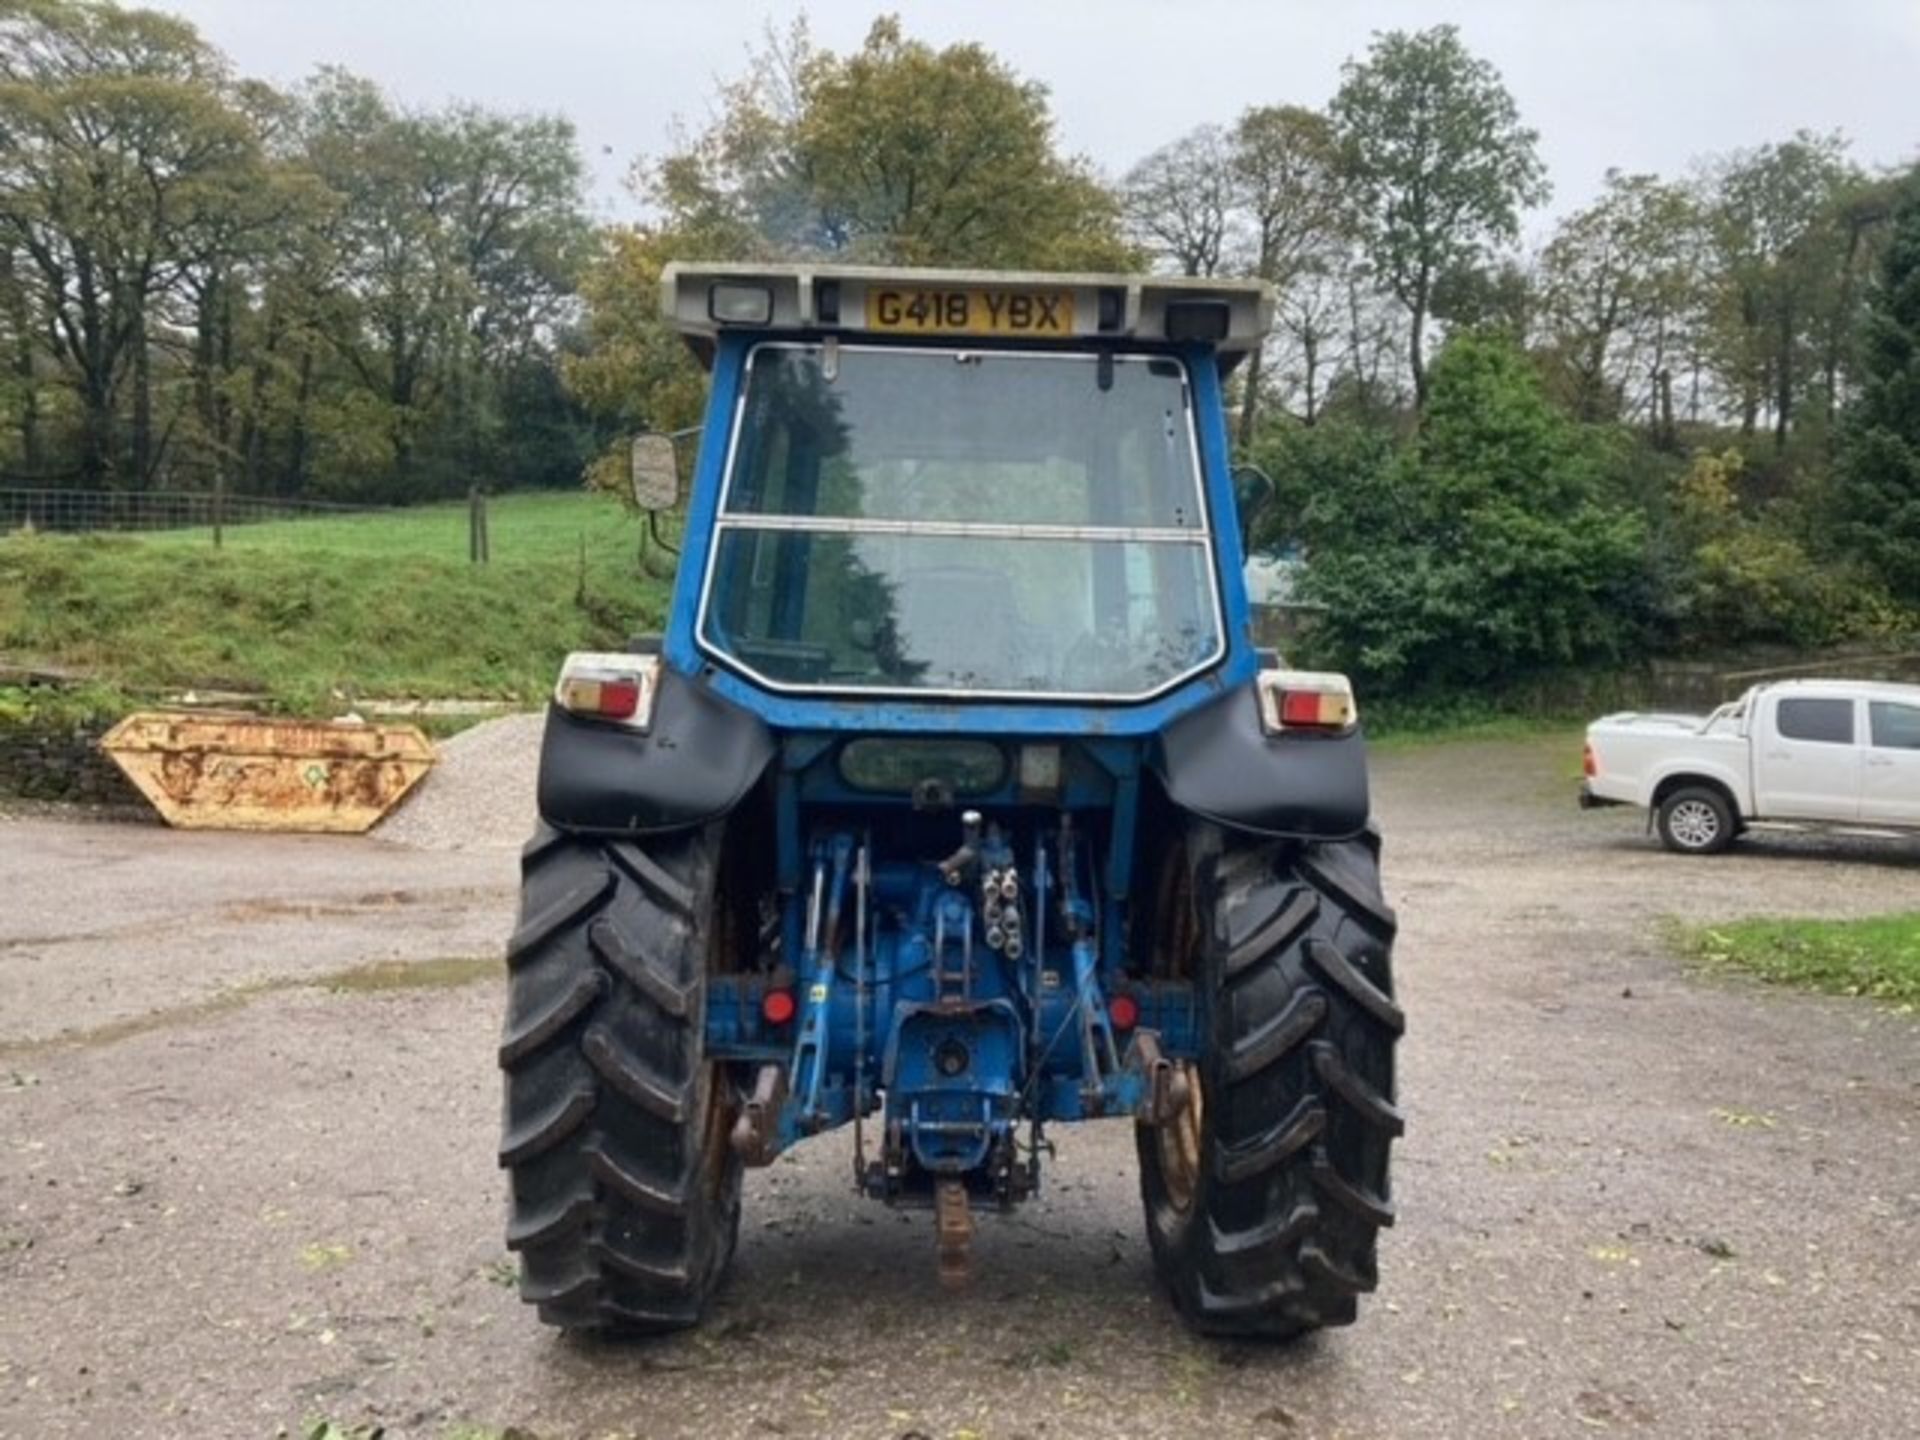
pixel 702 299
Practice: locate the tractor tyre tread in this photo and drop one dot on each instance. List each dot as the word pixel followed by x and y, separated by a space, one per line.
pixel 1278 1235
pixel 624 1194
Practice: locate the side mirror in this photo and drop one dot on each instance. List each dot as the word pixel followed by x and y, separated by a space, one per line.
pixel 655 472
pixel 1252 489
pixel 1251 483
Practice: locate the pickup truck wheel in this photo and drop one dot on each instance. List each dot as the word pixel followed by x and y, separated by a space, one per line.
pixel 625 1194
pixel 1264 1194
pixel 1696 821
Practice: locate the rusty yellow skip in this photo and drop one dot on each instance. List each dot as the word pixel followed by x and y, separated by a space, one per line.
pixel 253 772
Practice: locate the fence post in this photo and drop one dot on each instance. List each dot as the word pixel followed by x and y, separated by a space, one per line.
pixel 476 526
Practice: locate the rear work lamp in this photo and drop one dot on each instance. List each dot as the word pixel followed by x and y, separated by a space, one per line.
pixel 741 304
pixel 1203 320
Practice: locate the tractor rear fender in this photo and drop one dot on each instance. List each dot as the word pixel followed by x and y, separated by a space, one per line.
pixel 1220 763
pixel 695 762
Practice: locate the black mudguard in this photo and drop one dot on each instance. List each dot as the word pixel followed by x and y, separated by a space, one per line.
pixel 699 758
pixel 1218 762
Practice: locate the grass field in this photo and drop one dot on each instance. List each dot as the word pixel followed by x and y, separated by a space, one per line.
pixel 1877 957
pixel 316 612
pixel 1391 732
pixel 548 528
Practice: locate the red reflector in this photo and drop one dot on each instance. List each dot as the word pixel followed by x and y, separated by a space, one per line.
pixel 777 1006
pixel 1124 1012
pixel 618 699
pixel 1589 765
pixel 1300 707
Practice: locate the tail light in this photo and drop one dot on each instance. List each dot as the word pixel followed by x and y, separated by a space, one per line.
pixel 778 1007
pixel 609 687
pixel 1301 700
pixel 1124 1012
pixel 1589 762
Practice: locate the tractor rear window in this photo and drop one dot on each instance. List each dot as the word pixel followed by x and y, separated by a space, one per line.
pixel 982 522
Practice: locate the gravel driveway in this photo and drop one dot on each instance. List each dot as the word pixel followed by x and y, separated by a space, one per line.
pixel 247 1178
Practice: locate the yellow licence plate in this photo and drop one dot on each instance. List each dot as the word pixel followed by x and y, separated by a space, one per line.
pixel 915 310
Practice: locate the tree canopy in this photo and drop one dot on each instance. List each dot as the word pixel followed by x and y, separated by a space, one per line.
pixel 1880 495
pixel 208 283
pixel 1433 145
pixel 1485 548
pixel 897 153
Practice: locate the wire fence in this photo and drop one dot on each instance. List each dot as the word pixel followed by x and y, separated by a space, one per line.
pixel 77 511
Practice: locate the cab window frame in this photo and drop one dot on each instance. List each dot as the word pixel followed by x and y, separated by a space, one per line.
pixel 1191 534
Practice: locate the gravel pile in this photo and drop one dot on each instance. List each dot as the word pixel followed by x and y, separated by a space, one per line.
pixel 480 795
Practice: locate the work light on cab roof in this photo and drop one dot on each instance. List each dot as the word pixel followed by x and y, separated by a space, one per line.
pixel 953 801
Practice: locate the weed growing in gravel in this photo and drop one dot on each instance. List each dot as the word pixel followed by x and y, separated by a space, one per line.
pixel 1878 958
pixel 444 973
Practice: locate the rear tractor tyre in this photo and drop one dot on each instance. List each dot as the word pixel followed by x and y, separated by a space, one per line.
pixel 625 1201
pixel 1696 820
pixel 1263 1199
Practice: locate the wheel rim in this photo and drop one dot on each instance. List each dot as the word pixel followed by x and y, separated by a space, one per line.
pixel 1694 824
pixel 716 1143
pixel 1179 1140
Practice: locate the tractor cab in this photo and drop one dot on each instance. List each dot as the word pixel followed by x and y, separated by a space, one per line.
pixel 943 488
pixel 952 802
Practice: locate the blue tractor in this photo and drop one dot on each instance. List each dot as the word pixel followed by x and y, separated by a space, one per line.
pixel 955 801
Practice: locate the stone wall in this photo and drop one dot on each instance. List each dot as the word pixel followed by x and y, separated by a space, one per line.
pixel 58 758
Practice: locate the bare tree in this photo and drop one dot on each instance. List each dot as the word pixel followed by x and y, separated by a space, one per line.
pixel 1179 201
pixel 1297 216
pixel 1432 141
pixel 1618 298
pixel 1311 341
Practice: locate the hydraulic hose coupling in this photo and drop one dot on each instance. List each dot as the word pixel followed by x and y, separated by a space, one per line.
pixel 954 868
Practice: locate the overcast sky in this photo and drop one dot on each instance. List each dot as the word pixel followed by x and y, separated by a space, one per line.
pixel 1638 84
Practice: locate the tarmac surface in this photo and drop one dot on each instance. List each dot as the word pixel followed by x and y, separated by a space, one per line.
pixel 248 1112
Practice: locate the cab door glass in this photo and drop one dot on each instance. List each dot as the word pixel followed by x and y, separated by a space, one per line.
pixel 1823 722
pixel 1895 727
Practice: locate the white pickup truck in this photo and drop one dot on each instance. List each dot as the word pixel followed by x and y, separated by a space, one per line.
pixel 1841 754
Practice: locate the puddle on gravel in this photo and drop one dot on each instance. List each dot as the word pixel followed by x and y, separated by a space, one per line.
pixel 445 972
pixel 442 974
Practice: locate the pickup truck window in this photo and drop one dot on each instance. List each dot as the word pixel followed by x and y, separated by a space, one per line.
pixel 1826 722
pixel 1895 727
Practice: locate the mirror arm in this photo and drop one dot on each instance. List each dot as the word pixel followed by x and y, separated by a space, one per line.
pixel 653 529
